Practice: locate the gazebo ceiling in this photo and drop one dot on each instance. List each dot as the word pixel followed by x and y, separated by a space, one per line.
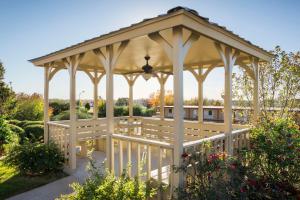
pixel 202 53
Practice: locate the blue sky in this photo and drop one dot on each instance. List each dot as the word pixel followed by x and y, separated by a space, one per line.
pixel 33 28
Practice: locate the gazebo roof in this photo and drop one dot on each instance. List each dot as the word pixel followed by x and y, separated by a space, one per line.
pixel 202 53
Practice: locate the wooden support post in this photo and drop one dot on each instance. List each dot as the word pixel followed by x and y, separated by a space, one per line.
pixel 162 101
pixel 130 80
pixel 178 58
pixel 200 97
pixel 228 57
pixel 109 116
pixel 71 64
pixel 162 79
pixel 46 103
pixel 200 78
pixel 256 107
pixel 108 59
pixel 176 52
pixel 49 73
pixel 130 101
pixel 95 78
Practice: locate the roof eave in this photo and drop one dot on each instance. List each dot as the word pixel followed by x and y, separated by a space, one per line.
pixel 181 17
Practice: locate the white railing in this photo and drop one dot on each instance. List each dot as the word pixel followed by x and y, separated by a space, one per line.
pixel 147 127
pixel 151 157
pixel 60 134
pixel 147 141
pixel 128 125
pixel 88 129
pixel 241 138
pixel 217 143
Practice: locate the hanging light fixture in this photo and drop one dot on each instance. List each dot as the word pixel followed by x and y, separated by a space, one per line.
pixel 147 69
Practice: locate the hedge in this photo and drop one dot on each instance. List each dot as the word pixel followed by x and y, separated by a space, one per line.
pixel 33 133
pixel 16 129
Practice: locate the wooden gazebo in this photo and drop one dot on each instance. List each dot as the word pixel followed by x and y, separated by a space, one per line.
pixel 176 41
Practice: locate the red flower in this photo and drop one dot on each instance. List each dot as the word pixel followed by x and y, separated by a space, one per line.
pixel 233 166
pixel 214 156
pixel 252 182
pixel 184 155
pixel 242 190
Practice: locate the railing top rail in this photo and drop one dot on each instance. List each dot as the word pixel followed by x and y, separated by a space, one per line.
pixel 143 141
pixel 196 142
pixel 240 131
pixel 58 124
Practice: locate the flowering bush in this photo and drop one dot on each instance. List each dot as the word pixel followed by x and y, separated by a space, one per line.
pixel 202 175
pixel 270 169
pixel 274 158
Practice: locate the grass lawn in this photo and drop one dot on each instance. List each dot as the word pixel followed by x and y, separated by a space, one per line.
pixel 12 182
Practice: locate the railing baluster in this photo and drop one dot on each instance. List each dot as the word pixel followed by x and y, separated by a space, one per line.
pixel 159 172
pixel 120 157
pixel 171 174
pixel 159 165
pixel 112 156
pixel 66 143
pixel 138 159
pixel 129 158
pixel 148 162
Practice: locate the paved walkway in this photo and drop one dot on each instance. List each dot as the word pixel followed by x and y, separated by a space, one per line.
pixel 61 186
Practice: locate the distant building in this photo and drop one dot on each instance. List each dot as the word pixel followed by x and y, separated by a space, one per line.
pixel 210 113
pixel 216 114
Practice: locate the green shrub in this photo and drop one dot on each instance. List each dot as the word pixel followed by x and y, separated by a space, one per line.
pixel 66 115
pixel 33 133
pixel 35 158
pixel 24 123
pixel 29 123
pixel 137 110
pixel 7 136
pixel 15 122
pixel 17 130
pixel 149 112
pixel 119 111
pixel 106 186
pixel 59 106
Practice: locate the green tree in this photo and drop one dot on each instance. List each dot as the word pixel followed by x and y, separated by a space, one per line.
pixel 122 102
pixel 30 107
pixel 7 96
pixel 279 84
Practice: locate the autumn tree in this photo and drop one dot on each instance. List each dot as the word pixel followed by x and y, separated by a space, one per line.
pixel 154 98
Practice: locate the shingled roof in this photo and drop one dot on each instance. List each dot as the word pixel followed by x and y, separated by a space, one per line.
pixel 169 12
